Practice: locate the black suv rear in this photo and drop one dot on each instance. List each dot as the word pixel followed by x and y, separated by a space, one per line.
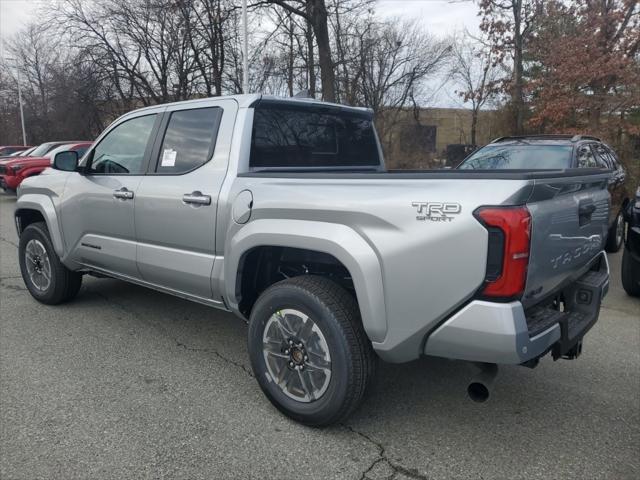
pixel 631 256
pixel 552 152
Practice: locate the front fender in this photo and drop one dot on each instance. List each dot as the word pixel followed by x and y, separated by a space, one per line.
pixel 337 240
pixel 30 172
pixel 44 205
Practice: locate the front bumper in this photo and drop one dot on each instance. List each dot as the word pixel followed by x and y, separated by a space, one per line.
pixel 9 182
pixel 507 334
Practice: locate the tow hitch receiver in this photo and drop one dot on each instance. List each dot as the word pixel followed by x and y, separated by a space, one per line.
pixel 582 308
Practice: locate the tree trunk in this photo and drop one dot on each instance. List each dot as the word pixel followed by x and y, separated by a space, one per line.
pixel 311 62
pixel 474 125
pixel 517 96
pixel 321 31
pixel 291 58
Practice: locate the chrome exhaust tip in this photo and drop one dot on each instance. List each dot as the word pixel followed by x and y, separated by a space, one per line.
pixel 479 388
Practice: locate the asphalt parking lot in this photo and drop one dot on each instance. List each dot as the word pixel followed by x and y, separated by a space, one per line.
pixel 129 383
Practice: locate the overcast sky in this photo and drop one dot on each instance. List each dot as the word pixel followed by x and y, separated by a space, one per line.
pixel 440 18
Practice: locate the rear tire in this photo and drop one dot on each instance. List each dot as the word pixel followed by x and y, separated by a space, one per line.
pixel 630 274
pixel 310 318
pixel 615 236
pixel 46 278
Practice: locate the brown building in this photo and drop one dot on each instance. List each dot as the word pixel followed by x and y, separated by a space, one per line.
pixel 420 139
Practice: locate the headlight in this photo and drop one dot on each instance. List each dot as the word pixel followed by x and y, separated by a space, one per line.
pixel 16 167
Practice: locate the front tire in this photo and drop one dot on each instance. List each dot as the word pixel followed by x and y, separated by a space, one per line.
pixel 46 278
pixel 309 351
pixel 615 237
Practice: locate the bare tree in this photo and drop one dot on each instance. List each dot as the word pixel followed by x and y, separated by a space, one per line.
pixel 474 73
pixel 395 58
pixel 508 25
pixel 63 93
pixel 314 12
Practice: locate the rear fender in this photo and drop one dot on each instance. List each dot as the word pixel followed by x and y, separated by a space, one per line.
pixel 338 240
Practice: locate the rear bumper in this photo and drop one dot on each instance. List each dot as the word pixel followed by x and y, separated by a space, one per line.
pixel 505 333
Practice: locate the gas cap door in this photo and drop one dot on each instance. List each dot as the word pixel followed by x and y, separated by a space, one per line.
pixel 242 206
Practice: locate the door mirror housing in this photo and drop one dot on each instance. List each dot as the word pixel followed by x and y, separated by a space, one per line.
pixel 66 161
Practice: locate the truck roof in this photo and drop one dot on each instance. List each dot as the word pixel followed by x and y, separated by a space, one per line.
pixel 247 100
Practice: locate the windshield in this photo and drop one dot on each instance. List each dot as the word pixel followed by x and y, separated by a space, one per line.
pixel 81 150
pixel 40 150
pixel 25 153
pixel 524 157
pixel 61 148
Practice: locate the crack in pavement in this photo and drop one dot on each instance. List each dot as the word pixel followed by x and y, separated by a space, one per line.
pixel 164 331
pixel 5 240
pixel 382 458
pixel 217 354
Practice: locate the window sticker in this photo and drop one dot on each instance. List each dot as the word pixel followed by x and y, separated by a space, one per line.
pixel 168 158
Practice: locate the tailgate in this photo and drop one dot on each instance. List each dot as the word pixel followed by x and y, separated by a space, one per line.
pixel 569 226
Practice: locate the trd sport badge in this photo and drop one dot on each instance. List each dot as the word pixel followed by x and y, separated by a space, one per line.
pixel 436 211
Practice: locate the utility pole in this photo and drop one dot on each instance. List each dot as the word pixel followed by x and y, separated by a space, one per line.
pixel 24 132
pixel 245 49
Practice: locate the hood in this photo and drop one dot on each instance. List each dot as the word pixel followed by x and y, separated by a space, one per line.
pixel 26 161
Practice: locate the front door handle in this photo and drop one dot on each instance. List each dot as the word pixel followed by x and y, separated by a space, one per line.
pixel 196 198
pixel 123 194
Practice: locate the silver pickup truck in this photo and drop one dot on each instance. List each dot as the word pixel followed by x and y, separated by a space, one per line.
pixel 281 211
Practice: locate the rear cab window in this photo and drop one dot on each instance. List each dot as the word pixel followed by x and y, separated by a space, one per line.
pixel 288 136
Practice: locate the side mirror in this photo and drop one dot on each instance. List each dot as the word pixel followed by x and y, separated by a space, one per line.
pixel 66 161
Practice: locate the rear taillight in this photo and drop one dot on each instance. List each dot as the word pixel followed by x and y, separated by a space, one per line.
pixel 508 256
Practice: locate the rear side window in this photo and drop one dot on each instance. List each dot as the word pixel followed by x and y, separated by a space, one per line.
pixel 189 140
pixel 303 136
pixel 608 156
pixel 605 157
pixel 587 159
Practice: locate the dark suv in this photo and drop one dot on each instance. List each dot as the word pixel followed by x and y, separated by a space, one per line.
pixel 631 256
pixel 551 152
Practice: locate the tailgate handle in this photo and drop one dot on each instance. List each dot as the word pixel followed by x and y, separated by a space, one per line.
pixel 585 210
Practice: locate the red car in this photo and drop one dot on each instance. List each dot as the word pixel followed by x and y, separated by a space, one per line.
pixel 14 170
pixel 6 150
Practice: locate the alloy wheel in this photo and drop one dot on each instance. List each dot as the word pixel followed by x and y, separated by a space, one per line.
pixel 297 355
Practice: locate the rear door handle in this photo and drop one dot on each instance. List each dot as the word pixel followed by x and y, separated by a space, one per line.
pixel 123 194
pixel 196 198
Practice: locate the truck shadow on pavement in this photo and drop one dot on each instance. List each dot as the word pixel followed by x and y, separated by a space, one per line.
pixel 423 387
